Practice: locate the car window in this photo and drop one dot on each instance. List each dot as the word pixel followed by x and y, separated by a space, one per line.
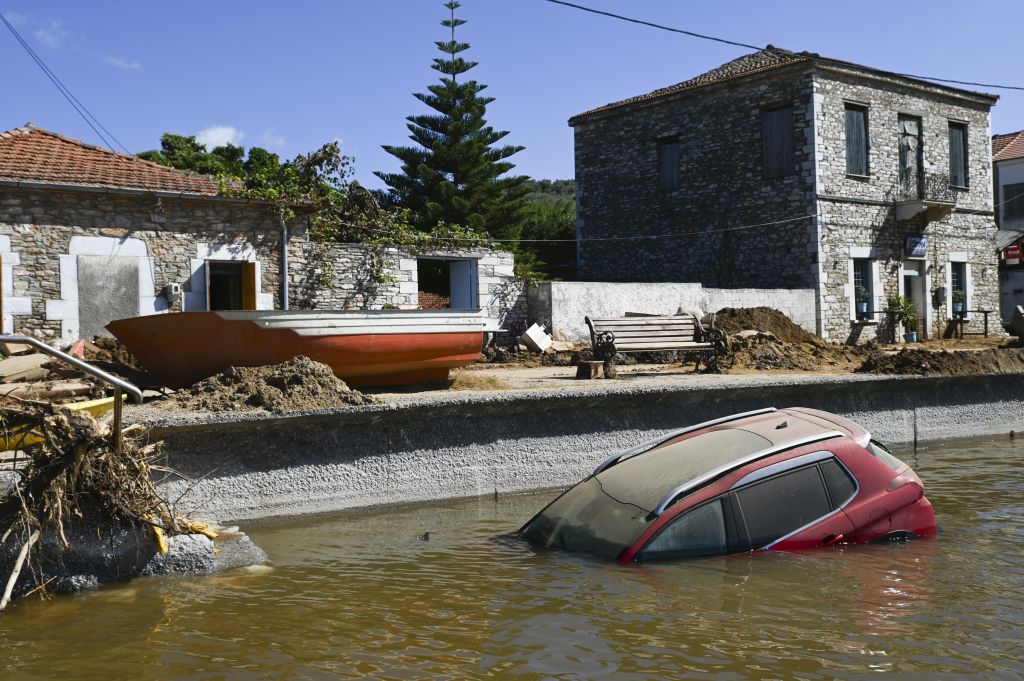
pixel 885 456
pixel 775 507
pixel 840 485
pixel 699 532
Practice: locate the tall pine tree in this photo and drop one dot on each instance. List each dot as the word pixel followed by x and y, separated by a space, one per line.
pixel 455 174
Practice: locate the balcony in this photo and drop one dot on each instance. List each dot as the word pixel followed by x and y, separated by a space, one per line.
pixel 925 194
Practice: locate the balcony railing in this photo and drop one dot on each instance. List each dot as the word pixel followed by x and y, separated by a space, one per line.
pixel 927 193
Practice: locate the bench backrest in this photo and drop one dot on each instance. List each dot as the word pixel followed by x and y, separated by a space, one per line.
pixel 648 332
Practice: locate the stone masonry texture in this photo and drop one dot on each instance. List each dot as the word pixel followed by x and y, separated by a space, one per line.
pixel 700 232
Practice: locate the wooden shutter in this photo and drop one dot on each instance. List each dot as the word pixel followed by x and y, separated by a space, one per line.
pixel 856 141
pixel 958 154
pixel 777 142
pixel 248 286
pixel 668 165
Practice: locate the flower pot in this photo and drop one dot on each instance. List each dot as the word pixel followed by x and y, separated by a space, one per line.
pixel 862 308
pixel 958 308
pixel 910 336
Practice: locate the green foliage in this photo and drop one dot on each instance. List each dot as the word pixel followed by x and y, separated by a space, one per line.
pixel 958 296
pixel 861 294
pixel 904 312
pixel 455 173
pixel 548 249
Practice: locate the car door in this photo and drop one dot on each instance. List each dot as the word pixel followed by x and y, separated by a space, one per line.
pixel 796 508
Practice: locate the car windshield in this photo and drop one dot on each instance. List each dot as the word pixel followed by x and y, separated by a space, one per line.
pixel 607 512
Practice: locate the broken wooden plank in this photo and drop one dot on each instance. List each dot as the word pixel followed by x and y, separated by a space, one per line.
pixel 21 367
pixel 55 390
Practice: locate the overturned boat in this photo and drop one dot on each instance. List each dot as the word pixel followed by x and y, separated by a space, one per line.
pixel 364 348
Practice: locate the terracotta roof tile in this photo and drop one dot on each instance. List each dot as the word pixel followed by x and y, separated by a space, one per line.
pixel 31 154
pixel 1006 147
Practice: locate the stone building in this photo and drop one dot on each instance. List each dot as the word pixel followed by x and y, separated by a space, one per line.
pixel 88 235
pixel 783 169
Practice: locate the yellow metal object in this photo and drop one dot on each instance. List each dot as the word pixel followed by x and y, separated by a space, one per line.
pixel 20 438
pixel 161 538
pixel 193 527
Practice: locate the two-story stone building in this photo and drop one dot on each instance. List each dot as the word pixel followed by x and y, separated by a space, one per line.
pixel 783 169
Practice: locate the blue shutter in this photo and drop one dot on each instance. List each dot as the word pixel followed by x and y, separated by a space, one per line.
pixel 958 154
pixel 777 142
pixel 856 141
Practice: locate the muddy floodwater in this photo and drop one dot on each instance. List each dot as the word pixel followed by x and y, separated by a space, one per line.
pixel 362 595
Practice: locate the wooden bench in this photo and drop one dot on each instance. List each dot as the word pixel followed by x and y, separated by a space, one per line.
pixel 650 333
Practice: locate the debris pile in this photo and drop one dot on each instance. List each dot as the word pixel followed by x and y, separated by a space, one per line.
pixel 765 319
pixel 765 352
pixel 27 374
pixel 945 363
pixel 300 384
pixel 74 476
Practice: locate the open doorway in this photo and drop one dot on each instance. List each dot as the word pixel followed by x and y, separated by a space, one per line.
pixel 230 285
pixel 446 284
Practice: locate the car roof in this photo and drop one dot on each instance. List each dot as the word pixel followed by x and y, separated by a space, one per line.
pixel 661 470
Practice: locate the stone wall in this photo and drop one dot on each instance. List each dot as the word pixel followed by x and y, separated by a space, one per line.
pixel 858 214
pixel 43 233
pixel 562 305
pixel 722 188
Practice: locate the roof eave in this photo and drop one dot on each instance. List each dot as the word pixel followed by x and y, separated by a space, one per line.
pixel 121 191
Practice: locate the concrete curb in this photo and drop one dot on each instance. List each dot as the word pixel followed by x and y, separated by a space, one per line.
pixel 448 446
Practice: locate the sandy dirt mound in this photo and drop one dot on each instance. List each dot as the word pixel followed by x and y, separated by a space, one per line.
pixel 296 385
pixel 964 363
pixel 765 352
pixel 766 320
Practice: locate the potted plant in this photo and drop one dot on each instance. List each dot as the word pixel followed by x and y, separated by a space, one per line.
pixel 958 302
pixel 861 295
pixel 904 312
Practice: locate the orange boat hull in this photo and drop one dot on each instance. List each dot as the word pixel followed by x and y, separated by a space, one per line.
pixel 182 348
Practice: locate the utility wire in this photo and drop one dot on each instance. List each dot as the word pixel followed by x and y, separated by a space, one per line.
pixel 735 43
pixel 79 108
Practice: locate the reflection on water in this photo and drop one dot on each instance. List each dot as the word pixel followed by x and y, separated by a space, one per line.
pixel 361 595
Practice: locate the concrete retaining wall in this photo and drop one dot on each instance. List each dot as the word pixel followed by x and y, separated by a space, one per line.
pixel 469 445
pixel 562 305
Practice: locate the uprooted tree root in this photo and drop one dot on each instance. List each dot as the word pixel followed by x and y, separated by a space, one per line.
pixel 74 471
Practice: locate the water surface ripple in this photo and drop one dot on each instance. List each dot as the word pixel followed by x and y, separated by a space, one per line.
pixel 361 595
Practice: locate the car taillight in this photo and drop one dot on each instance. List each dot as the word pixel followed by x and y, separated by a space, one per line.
pixel 906 477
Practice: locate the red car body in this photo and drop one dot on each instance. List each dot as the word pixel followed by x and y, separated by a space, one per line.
pixel 772 479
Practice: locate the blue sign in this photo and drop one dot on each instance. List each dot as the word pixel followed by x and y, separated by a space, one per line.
pixel 917 246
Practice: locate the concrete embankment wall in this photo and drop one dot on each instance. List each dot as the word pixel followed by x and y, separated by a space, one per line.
pixel 457 446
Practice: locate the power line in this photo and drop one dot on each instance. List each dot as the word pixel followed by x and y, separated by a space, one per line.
pixel 79 108
pixel 618 238
pixel 735 43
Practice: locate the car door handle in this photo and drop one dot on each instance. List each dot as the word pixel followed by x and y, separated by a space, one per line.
pixel 832 539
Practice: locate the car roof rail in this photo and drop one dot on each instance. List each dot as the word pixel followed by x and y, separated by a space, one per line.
pixel 650 444
pixel 701 480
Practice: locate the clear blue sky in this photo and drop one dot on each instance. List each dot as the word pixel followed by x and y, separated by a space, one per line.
pixel 290 76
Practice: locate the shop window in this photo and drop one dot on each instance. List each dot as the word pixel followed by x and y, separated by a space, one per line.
pixel 668 164
pixel 856 140
pixel 958 154
pixel 777 142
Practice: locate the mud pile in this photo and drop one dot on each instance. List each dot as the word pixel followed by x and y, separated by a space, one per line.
pixel 107 349
pixel 299 384
pixel 961 363
pixel 764 319
pixel 765 352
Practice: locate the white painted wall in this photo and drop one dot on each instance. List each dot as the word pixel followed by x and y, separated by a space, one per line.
pixel 13 305
pixel 564 304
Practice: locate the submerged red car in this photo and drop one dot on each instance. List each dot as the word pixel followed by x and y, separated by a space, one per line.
pixel 782 479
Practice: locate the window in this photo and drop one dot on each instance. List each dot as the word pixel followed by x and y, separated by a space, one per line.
pixel 668 164
pixel 958 154
pixel 1013 198
pixel 958 280
pixel 777 142
pixel 856 140
pixel 837 480
pixel 700 532
pixel 778 506
pixel 863 286
pixel 911 156
pixel 230 285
